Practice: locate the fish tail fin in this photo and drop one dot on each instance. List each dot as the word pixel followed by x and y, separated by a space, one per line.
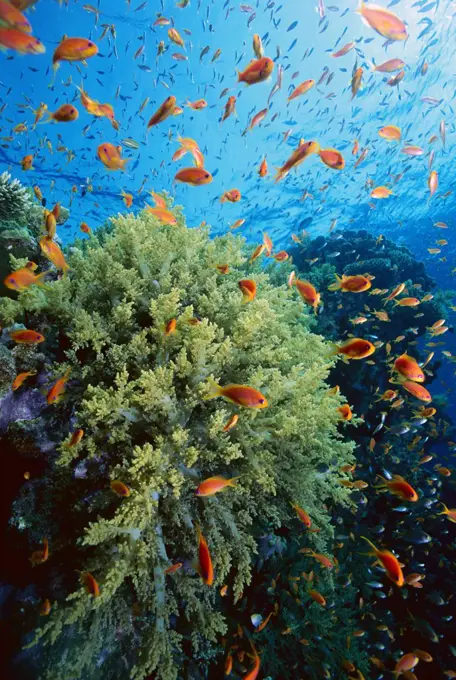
pixel 55 68
pixel 445 510
pixel 370 543
pixel 214 389
pixel 124 162
pixel 233 480
pixel 238 73
pixel 279 175
pixel 383 483
pixel 371 65
pixel 337 285
pixel 223 199
pixel 334 349
pixel 40 278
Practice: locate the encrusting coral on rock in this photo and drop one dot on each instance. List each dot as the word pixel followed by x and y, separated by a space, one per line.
pixel 139 326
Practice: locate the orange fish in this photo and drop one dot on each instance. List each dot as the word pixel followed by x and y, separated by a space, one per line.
pixel 408 367
pixel 159 201
pixel 241 395
pixel 90 584
pixel 381 192
pixel 323 559
pixel 231 196
pixel 268 244
pixel 163 112
pixel 389 562
pixel 345 412
pixel 281 256
pixel 50 225
pixel 163 215
pixel 356 81
pixel 175 37
pixel 317 597
pixel 26 337
pixel 193 176
pixel 197 105
pixel 76 437
pixel 94 107
pixel 84 227
pixel 45 608
pixel 263 169
pixel 397 291
pixel 213 485
pixel 304 150
pixel 352 284
pixel 52 251
pixel 73 49
pixel 407 302
pixel 232 422
pixel 23 43
pixel 417 391
pixel 27 161
pixel 64 114
pixel 127 199
pixel 302 515
pixel 256 120
pixel 399 487
pixel 109 155
pixel 248 288
pixel 308 293
pixel 230 108
pixel 355 348
pixel 170 327
pixel 332 158
pixel 449 512
pixel 56 211
pixel 120 488
pixel 228 665
pixel 173 568
pixel 257 71
pixel 405 664
pixel 13 17
pixel 56 392
pixel 21 378
pixel 301 89
pixel 23 278
pixel 40 556
pixel 237 224
pixel 253 673
pixel 204 566
pixel 259 250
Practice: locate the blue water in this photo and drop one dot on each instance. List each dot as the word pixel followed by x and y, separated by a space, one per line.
pixel 334 121
pixel 301 41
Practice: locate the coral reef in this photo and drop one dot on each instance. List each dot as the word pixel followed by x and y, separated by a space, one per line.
pixel 139 393
pixel 15 199
pixel 21 224
pixel 394 437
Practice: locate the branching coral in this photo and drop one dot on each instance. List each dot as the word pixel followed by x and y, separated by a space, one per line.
pixel 139 394
pixel 15 199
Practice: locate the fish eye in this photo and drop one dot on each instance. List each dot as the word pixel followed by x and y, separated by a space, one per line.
pixel 206 175
pixel 261 401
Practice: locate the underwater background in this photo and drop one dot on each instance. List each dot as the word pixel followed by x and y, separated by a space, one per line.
pixel 227 350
